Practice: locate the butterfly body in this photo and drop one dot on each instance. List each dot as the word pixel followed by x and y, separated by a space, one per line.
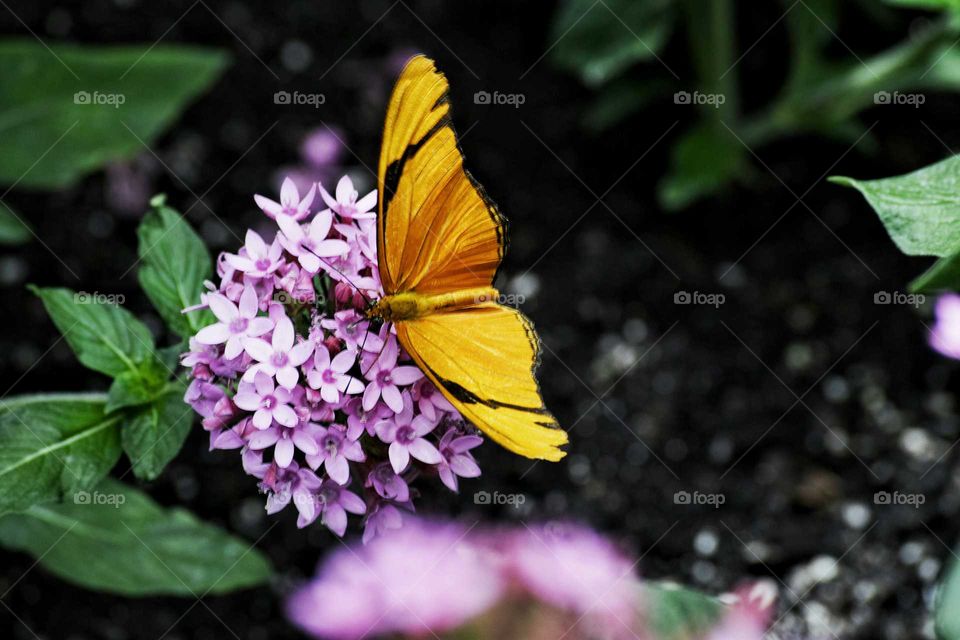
pixel 411 305
pixel 440 241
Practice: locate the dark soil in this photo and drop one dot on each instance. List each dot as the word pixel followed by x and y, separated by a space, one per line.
pixel 796 400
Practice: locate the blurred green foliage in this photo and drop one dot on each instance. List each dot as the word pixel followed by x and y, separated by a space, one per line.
pixel 616 47
pixel 67 110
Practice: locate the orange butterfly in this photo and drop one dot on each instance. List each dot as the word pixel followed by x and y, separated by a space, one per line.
pixel 440 241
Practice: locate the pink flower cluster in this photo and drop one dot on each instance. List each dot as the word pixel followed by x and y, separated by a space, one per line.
pixel 328 411
pixel 545 581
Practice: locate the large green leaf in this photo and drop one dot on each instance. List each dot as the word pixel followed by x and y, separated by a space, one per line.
pixel 105 337
pixel 133 388
pixel 69 110
pixel 598 40
pixel 155 434
pixel 175 262
pixel 120 541
pixel 13 230
pixel 944 275
pixel 946 611
pixel 678 613
pixel 53 445
pixel 920 210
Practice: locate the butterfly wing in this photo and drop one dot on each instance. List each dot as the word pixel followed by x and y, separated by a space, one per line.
pixel 484 359
pixel 437 231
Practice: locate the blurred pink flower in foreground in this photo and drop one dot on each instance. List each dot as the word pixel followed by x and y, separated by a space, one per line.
pixel 437 579
pixel 750 612
pixel 945 335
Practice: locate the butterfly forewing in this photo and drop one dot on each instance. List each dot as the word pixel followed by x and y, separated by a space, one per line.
pixel 439 233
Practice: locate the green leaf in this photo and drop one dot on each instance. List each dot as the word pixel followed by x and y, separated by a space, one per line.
pixel 694 167
pixel 675 612
pixel 598 40
pixel 944 275
pixel 13 230
pixel 52 445
pixel 105 337
pixel 153 436
pixel 920 210
pixel 946 608
pixel 822 96
pixel 68 110
pixel 120 541
pixel 175 264
pixel 132 388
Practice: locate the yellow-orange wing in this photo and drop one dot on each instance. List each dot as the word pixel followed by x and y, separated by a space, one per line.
pixel 437 231
pixel 483 359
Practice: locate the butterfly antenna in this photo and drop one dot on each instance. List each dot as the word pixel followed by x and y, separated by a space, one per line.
pixel 348 281
pixel 379 353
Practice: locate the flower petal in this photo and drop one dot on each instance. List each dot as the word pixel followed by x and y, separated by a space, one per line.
pixel 259 350
pixel 299 354
pixel 259 326
pixel 304 442
pixel 424 451
pixel 309 262
pixel 213 334
pixel 370 396
pixel 283 335
pixel 288 193
pixel 405 375
pixel 285 415
pixel 335 519
pixel 283 452
pixel 262 419
pixel 352 502
pixel 256 247
pixel 342 362
pixel 392 398
pixel 399 457
pixel 329 393
pixel 247 401
pixel 338 469
pixel 222 307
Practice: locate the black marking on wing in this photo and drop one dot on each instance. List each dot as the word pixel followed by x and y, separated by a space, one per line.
pixel 391 178
pixel 394 172
pixel 466 396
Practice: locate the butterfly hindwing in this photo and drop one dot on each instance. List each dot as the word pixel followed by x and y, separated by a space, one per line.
pixel 438 231
pixel 484 358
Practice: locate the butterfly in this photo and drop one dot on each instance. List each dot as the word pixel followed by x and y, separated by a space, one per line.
pixel 440 242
